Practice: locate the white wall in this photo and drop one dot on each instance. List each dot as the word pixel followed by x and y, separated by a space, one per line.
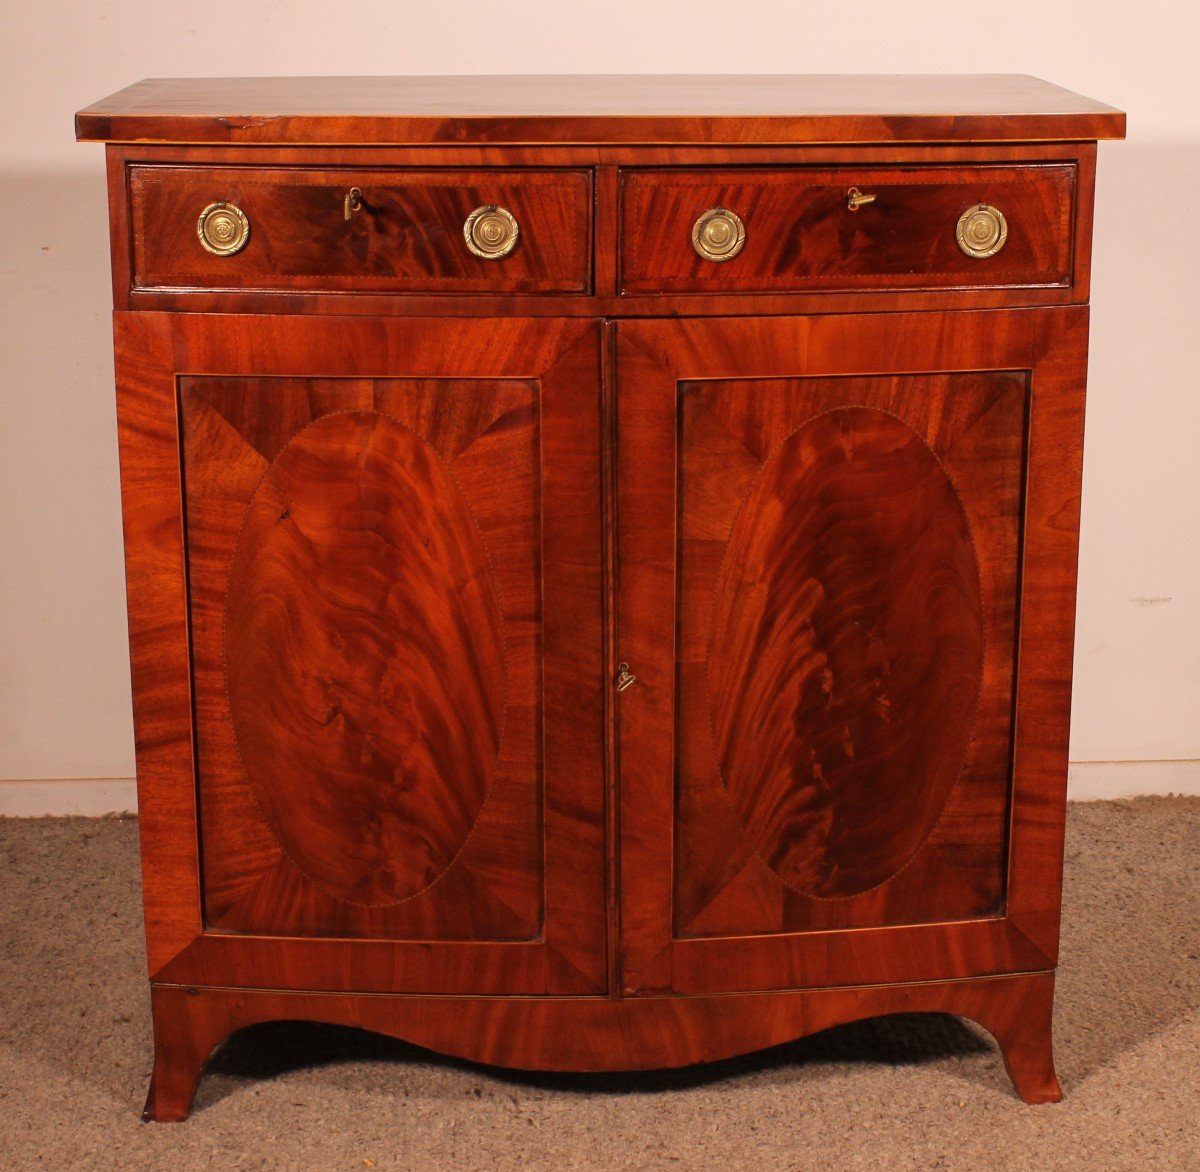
pixel 64 707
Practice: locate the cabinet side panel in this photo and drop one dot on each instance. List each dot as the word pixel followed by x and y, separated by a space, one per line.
pixel 151 504
pixel 1046 653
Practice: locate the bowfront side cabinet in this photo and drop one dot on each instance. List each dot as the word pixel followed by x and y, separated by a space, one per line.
pixel 608 605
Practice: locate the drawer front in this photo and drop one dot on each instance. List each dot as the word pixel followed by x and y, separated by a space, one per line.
pixel 800 233
pixel 353 230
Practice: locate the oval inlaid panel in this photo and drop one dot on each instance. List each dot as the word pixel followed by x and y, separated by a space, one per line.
pixel 364 658
pixel 846 651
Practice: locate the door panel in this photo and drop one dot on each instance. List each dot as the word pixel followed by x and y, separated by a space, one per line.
pixel 390 538
pixel 819 581
pixel 364 578
pixel 845 649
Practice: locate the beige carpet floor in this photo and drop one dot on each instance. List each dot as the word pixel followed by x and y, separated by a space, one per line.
pixel 912 1092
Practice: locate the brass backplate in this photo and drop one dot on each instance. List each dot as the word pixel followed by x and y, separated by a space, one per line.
pixel 719 234
pixel 491 232
pixel 223 228
pixel 982 231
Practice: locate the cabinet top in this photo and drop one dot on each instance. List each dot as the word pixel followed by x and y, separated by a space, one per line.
pixel 553 110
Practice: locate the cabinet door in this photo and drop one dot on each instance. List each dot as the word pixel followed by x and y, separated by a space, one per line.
pixel 837 539
pixel 365 606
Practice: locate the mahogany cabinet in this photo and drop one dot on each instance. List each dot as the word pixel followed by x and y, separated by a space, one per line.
pixel 600 555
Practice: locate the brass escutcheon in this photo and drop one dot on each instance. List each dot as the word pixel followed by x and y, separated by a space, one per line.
pixel 982 231
pixel 223 228
pixel 491 232
pixel 718 234
pixel 352 203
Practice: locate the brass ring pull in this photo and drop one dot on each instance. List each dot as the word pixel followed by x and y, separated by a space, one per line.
pixel 855 199
pixel 625 678
pixel 491 232
pixel 982 231
pixel 718 234
pixel 223 228
pixel 352 203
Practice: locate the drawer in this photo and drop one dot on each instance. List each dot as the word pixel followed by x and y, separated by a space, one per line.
pixel 798 233
pixel 403 231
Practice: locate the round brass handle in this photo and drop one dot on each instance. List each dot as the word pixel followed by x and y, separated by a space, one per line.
pixel 491 232
pixel 223 228
pixel 982 231
pixel 718 234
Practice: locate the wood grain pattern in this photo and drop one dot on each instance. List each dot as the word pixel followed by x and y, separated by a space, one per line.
pixel 550 109
pixel 364 658
pixel 708 915
pixel 481 439
pixel 516 424
pixel 408 234
pixel 846 652
pixel 645 1033
pixel 973 423
pixel 801 235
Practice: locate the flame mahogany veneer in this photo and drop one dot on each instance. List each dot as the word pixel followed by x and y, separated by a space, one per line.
pixel 397 513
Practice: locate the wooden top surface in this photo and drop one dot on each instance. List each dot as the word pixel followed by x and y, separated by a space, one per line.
pixel 547 109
